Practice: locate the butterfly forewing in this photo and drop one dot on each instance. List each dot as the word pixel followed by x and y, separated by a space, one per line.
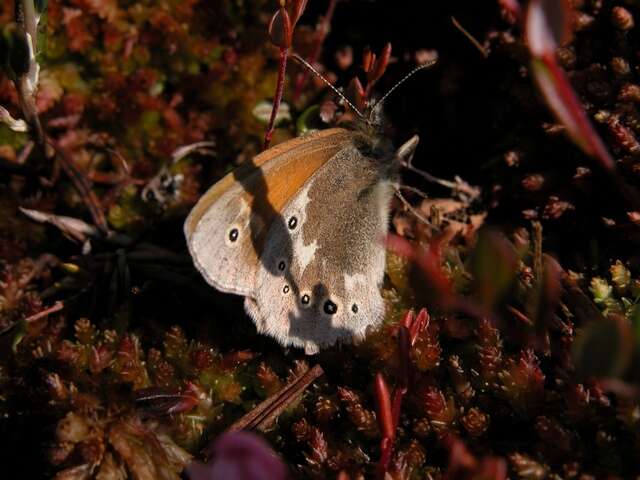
pixel 227 228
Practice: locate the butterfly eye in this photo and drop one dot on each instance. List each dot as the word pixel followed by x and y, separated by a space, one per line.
pixel 330 308
pixel 305 299
pixel 286 289
pixel 233 234
pixel 293 222
pixel 354 308
pixel 282 265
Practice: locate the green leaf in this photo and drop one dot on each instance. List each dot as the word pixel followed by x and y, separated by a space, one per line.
pixel 603 348
pixel 493 265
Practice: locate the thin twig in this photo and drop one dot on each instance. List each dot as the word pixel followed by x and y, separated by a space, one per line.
pixel 519 315
pixel 56 307
pixel 413 210
pixel 261 417
pixel 470 37
pixel 83 186
pixel 415 190
pixel 537 250
pixel 25 152
pixel 457 186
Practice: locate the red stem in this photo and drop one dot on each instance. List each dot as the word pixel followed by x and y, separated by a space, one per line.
pixel 284 54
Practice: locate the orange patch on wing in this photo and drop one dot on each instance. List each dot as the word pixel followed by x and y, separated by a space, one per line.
pixel 273 177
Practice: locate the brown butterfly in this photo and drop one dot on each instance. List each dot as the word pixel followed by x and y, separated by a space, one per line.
pixel 299 233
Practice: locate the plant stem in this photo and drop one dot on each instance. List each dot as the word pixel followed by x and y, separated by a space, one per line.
pixel 284 54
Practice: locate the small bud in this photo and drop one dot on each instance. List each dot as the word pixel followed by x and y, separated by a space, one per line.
pixel 325 408
pixel 527 467
pixel 634 217
pixel 281 29
pixel 623 136
pixel 629 92
pixel 422 427
pixel 475 422
pixel 600 290
pixel 368 57
pixel 85 332
pixel 414 454
pixel 555 208
pixel 567 57
pixel 512 158
pixel 620 276
pixel 363 419
pixel 553 433
pixel 622 18
pixel 620 66
pixel 460 380
pixel 533 183
pixel 72 428
pixel 489 350
pixel 344 57
pixel 380 65
pixel 440 410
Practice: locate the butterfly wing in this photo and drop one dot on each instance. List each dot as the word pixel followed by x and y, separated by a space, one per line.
pixel 226 229
pixel 320 272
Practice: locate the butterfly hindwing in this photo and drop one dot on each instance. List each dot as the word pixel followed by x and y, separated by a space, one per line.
pixel 320 272
pixel 226 229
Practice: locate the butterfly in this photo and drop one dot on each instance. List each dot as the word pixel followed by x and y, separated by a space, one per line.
pixel 299 232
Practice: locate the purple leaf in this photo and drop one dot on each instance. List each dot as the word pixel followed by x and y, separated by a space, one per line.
pixel 239 456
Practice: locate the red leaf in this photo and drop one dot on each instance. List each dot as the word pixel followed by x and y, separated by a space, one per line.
pixel 564 103
pixel 380 65
pixel 281 29
pixel 547 25
pixel 383 403
pixel 297 8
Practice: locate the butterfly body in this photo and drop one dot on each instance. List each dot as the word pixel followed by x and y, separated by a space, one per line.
pixel 300 234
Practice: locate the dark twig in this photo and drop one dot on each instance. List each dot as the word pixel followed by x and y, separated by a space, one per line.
pixel 519 315
pixel 261 417
pixel 56 307
pixel 470 37
pixel 82 185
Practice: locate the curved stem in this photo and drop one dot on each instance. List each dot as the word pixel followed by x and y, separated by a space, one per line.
pixel 284 54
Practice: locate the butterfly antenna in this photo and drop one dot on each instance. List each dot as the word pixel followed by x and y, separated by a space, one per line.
pixel 406 77
pixel 297 57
